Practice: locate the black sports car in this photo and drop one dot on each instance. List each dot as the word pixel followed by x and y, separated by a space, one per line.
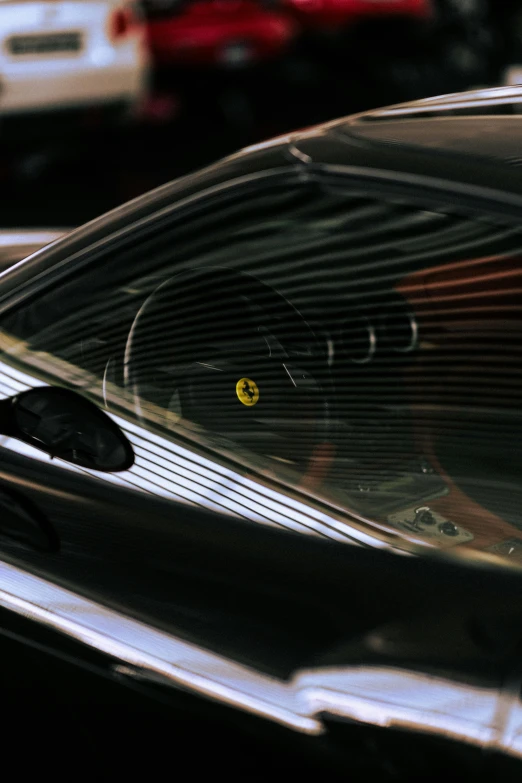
pixel 261 458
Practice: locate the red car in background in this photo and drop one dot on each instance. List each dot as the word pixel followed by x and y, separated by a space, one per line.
pixel 240 32
pixel 217 32
pixel 336 55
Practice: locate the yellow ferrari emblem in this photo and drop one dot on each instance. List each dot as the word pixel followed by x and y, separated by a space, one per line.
pixel 247 391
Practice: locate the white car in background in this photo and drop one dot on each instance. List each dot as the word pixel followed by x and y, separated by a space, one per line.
pixel 69 54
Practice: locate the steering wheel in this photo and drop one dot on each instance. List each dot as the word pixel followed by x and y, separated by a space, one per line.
pixel 228 353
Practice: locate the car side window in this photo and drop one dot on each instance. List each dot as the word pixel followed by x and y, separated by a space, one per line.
pixel 315 356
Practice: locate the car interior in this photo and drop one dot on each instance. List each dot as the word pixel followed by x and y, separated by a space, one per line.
pixel 361 349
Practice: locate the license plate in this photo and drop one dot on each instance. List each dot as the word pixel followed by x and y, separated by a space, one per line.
pixel 44 44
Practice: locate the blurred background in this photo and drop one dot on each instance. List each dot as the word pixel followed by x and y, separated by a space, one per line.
pixel 101 100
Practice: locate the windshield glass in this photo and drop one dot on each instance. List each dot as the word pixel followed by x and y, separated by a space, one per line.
pixel 319 358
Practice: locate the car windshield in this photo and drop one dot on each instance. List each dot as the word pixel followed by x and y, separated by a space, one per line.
pixel 315 357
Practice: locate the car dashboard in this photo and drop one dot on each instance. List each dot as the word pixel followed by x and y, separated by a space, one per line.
pixel 396 410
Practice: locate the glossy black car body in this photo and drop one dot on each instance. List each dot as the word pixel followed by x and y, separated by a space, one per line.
pixel 193 624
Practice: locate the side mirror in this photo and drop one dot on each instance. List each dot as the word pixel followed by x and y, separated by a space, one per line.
pixel 66 425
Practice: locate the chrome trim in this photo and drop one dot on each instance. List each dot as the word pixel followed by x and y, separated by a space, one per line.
pixel 301 156
pixel 491 96
pixel 372 694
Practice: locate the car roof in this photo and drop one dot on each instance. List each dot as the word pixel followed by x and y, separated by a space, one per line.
pixel 485 124
pixel 472 138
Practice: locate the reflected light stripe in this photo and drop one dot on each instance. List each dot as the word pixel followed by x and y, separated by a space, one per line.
pixel 180 663
pixel 333 528
pixel 375 695
pixel 248 503
pixel 244 497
